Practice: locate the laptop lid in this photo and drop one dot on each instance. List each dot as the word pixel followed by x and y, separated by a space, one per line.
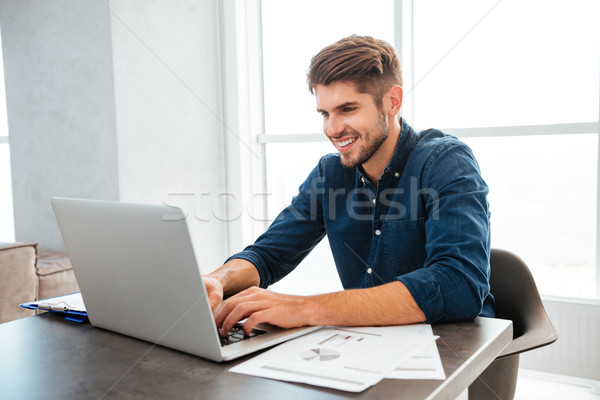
pixel 136 268
pixel 137 272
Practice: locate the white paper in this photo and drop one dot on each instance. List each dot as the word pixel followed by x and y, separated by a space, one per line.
pixel 426 364
pixel 350 359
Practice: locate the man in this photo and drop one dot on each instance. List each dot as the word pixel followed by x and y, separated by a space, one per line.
pixel 405 213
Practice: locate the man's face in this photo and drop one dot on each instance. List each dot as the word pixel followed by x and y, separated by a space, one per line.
pixel 351 121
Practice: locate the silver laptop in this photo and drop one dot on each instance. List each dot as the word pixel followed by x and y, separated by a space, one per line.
pixel 138 276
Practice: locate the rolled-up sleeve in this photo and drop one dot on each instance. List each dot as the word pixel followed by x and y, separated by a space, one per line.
pixel 455 279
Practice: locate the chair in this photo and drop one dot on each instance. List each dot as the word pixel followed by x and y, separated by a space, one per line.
pixel 517 299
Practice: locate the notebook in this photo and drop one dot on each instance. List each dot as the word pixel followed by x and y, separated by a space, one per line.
pixel 138 276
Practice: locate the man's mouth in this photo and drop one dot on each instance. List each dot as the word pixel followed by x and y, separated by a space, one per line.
pixel 345 144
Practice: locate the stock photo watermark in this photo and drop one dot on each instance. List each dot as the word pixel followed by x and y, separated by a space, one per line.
pixel 314 201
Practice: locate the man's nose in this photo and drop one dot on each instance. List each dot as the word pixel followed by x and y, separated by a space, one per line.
pixel 334 126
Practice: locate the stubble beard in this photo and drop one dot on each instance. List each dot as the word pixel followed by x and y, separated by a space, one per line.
pixel 372 139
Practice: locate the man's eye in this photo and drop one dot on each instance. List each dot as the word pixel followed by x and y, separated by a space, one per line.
pixel 349 109
pixel 325 115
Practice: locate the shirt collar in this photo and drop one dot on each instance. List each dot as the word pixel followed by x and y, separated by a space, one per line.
pixel 396 164
pixel 402 148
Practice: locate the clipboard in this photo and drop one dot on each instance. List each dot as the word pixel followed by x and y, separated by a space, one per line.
pixel 71 305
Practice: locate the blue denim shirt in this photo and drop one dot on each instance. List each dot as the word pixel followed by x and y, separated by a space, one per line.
pixel 426 224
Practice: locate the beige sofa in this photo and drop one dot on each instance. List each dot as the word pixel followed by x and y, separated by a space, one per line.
pixel 28 273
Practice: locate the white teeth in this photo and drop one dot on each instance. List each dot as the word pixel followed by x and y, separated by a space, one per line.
pixel 345 142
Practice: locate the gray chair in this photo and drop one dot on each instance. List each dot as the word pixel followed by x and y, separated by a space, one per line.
pixel 518 300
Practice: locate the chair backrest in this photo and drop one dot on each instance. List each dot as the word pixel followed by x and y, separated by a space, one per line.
pixel 518 299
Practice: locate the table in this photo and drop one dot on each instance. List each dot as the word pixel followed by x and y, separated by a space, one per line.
pixel 45 356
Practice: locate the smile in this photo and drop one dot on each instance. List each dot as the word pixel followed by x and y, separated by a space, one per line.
pixel 344 143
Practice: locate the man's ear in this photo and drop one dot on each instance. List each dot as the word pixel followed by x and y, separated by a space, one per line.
pixel 395 95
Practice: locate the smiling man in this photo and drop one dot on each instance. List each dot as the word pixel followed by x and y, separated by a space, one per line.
pixel 405 213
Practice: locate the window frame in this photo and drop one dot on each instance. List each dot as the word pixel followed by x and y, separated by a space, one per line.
pixel 404 43
pixel 5 140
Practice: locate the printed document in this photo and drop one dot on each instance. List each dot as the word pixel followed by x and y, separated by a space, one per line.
pixel 350 359
pixel 426 364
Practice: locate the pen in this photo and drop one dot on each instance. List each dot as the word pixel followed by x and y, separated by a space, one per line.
pixel 53 307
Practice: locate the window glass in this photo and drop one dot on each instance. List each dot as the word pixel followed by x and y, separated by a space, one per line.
pixel 477 63
pixel 7 226
pixel 288 165
pixel 510 62
pixel 543 204
pixel 293 32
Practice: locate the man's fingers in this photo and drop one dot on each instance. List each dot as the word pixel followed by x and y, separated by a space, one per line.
pixel 226 307
pixel 255 319
pixel 231 303
pixel 258 305
pixel 238 313
pixel 214 303
pixel 214 292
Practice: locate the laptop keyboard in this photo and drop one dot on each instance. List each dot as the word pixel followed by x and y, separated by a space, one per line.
pixel 236 334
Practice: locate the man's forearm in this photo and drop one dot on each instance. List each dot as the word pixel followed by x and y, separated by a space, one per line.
pixel 389 304
pixel 236 275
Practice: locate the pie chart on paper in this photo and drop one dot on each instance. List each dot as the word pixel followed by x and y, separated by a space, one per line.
pixel 319 355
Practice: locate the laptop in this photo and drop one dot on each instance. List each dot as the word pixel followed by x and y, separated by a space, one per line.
pixel 138 276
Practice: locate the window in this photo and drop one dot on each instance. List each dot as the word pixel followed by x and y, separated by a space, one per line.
pixel 290 109
pixel 7 229
pixel 518 81
pixel 544 207
pixel 505 63
pixel 308 26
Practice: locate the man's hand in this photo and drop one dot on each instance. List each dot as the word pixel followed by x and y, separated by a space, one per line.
pixel 389 304
pixel 260 305
pixel 233 277
pixel 214 290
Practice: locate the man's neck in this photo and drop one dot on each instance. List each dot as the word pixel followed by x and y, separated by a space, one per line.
pixel 375 165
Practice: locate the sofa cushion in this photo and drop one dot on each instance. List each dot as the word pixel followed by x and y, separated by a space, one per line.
pixel 17 278
pixel 55 275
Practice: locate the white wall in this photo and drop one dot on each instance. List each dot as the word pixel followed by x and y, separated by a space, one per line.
pixel 167 69
pixel 60 107
pixel 120 102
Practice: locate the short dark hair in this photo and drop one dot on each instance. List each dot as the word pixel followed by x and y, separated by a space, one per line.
pixel 370 63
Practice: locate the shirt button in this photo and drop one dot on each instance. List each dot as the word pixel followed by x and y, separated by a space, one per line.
pixel 369 271
pixel 374 201
pixel 378 232
pixel 397 174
